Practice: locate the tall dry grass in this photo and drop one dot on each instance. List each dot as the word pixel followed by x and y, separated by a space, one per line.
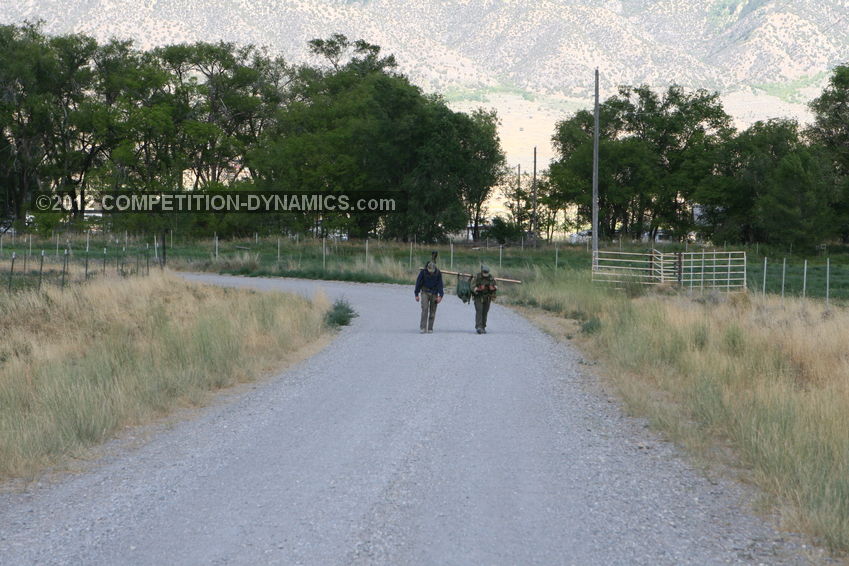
pixel 76 366
pixel 767 377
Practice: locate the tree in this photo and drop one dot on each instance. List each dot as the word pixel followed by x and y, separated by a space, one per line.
pixel 360 126
pixel 830 130
pixel 481 161
pixel 769 187
pixel 27 69
pixel 652 151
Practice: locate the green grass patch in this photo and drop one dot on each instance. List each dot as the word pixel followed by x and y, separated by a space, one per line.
pixel 340 314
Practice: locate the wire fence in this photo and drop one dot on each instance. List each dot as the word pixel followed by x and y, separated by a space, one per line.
pixel 25 269
pixel 27 261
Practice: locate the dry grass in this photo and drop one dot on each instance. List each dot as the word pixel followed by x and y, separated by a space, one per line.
pixel 77 366
pixel 767 377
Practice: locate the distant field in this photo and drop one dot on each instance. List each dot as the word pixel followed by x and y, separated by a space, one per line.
pixel 382 262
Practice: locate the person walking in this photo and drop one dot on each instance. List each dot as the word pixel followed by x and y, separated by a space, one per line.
pixel 483 292
pixel 429 285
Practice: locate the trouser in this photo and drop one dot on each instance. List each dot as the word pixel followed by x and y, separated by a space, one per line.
pixel 429 305
pixel 481 310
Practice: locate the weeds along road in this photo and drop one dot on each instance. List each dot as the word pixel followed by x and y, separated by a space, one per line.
pixel 393 447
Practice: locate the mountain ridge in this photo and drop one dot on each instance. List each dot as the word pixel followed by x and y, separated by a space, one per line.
pixel 527 59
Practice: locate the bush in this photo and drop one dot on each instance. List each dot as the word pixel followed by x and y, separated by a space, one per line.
pixel 591 326
pixel 340 314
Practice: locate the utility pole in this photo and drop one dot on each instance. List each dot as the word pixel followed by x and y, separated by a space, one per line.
pixel 595 177
pixel 518 196
pixel 534 218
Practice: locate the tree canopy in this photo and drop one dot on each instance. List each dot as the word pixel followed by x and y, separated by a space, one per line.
pixel 672 161
pixel 77 115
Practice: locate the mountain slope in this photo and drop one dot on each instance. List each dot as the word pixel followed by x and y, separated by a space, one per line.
pixel 527 59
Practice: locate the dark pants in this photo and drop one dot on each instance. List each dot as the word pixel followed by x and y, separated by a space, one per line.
pixel 481 310
pixel 429 305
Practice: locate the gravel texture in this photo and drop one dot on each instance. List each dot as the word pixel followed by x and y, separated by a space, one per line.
pixel 393 447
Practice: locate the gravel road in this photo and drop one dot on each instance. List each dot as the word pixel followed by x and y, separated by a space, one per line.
pixel 392 447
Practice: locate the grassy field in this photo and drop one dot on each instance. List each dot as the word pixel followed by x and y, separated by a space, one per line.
pixel 78 365
pixel 765 380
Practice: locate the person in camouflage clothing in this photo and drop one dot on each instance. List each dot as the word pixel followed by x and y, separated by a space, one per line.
pixel 483 292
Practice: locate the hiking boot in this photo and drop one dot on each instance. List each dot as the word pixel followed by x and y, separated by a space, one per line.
pixel 422 331
pixel 430 330
pixel 483 330
pixel 480 330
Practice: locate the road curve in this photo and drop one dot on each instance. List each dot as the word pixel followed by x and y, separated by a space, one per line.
pixel 392 447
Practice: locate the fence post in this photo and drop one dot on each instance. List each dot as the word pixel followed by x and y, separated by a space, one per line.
pixel 278 249
pixel 104 261
pixel 215 237
pixel 64 267
pixel 11 271
pixel 452 254
pixel 827 279
pixel 805 280
pixel 366 251
pixel 679 267
pixel 40 270
pixel 783 275
pixel 86 241
pixel 764 285
pixel 324 253
pixel 728 280
pixel 86 264
pixel 501 252
pixel 411 255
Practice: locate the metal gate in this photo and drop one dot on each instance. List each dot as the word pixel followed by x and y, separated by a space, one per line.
pixel 722 270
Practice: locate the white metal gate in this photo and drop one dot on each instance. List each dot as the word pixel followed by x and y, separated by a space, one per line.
pixel 724 270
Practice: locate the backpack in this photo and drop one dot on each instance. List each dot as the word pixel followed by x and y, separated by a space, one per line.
pixel 464 289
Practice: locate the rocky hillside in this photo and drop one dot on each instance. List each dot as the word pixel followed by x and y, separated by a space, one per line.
pixel 529 59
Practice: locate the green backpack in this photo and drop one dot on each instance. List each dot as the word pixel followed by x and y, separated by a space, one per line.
pixel 464 289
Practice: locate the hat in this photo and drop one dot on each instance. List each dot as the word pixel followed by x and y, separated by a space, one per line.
pixel 484 269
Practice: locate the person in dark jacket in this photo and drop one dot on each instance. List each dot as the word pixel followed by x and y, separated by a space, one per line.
pixel 429 285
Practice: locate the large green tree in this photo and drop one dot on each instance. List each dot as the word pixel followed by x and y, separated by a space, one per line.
pixel 358 125
pixel 769 186
pixel 830 131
